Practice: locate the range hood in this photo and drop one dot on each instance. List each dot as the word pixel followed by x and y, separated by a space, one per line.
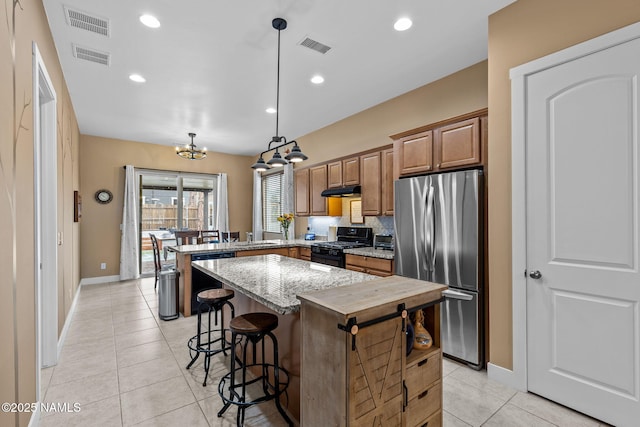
pixel 348 191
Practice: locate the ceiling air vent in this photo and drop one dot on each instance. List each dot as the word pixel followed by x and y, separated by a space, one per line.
pixel 91 55
pixel 84 21
pixel 315 45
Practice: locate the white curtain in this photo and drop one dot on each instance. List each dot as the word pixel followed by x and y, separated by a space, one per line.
pixel 257 206
pixel 222 213
pixel 287 196
pixel 129 245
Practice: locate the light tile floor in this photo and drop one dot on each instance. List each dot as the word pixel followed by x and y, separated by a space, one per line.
pixel 126 367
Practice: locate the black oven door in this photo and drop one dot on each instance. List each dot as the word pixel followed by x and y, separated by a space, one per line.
pixel 327 259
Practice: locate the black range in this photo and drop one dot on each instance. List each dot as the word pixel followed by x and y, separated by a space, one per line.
pixel 332 253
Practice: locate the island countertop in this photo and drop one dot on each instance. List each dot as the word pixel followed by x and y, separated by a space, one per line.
pixel 275 280
pixel 238 246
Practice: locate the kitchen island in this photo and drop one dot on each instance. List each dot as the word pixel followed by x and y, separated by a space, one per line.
pixel 270 283
pixel 338 331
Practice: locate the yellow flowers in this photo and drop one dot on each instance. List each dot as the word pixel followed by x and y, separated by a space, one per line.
pixel 285 220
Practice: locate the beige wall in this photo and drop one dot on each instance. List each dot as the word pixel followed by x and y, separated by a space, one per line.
pixel 21 24
pixel 459 93
pixel 524 31
pixel 101 166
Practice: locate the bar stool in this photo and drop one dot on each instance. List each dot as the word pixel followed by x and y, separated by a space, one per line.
pixel 211 300
pixel 253 328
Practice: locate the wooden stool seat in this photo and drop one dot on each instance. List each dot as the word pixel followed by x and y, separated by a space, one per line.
pixel 253 323
pixel 212 296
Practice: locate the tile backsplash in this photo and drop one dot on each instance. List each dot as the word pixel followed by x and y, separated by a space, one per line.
pixel 320 224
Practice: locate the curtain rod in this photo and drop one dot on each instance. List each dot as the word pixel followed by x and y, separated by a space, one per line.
pixel 169 170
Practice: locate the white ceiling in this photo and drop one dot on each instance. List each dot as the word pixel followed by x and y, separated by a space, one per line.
pixel 211 66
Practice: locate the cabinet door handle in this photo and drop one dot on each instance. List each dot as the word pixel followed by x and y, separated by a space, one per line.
pixel 406 396
pixel 423 362
pixel 423 394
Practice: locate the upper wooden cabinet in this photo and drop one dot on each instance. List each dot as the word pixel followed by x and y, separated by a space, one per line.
pixel 343 172
pixel 456 143
pixel 351 171
pixel 371 183
pixel 317 184
pixel 318 205
pixel 414 153
pixel 301 185
pixel 334 172
pixel 386 176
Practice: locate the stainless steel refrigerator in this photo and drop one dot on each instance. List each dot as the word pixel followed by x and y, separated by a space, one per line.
pixel 438 237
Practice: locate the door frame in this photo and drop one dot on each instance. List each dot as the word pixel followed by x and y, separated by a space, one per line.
pixel 45 216
pixel 518 376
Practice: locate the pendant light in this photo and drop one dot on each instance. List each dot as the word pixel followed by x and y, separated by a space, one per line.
pixel 190 151
pixel 296 154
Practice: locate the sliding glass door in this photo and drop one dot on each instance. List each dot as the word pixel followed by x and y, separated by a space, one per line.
pixel 172 201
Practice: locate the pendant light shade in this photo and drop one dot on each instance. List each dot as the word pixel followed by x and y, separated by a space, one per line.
pixel 260 165
pixel 277 160
pixel 296 154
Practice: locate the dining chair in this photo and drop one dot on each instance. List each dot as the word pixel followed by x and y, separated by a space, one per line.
pixel 187 237
pixel 210 236
pixel 230 236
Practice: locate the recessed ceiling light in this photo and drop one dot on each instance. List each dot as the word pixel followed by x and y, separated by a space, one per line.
pixel 271 110
pixel 150 21
pixel 137 78
pixel 317 79
pixel 402 24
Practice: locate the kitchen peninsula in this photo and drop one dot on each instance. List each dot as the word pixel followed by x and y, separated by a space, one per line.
pixel 333 297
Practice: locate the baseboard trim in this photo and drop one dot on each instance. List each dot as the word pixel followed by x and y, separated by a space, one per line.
pixel 99 280
pixel 34 421
pixel 67 322
pixel 505 376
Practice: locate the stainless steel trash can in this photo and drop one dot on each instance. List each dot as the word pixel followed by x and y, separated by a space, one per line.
pixel 168 295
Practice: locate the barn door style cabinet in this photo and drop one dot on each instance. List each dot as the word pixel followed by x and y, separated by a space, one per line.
pixel 355 371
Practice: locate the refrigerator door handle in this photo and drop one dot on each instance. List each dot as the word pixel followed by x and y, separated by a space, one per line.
pixel 448 293
pixel 431 238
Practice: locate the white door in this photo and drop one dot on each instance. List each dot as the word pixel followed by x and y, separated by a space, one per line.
pixel 582 192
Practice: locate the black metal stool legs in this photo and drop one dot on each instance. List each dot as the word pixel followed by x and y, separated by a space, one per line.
pixel 233 393
pixel 204 342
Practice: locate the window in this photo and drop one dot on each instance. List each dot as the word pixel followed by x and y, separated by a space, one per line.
pixel 271 202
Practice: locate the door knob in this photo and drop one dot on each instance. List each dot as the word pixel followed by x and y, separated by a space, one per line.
pixel 535 275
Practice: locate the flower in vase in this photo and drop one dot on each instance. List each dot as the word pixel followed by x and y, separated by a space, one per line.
pixel 285 221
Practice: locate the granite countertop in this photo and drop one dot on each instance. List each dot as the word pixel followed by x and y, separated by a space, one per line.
pixel 238 246
pixel 370 252
pixel 275 280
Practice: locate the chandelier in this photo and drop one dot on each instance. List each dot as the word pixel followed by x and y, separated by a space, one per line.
pixel 277 141
pixel 190 151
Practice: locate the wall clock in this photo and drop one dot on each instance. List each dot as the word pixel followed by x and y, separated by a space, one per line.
pixel 103 196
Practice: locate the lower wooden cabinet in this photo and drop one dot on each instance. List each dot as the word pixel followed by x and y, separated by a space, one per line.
pixel 424 387
pixel 304 253
pixel 370 265
pixel 294 253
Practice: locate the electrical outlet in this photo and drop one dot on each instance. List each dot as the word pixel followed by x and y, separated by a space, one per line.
pixel 103 266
